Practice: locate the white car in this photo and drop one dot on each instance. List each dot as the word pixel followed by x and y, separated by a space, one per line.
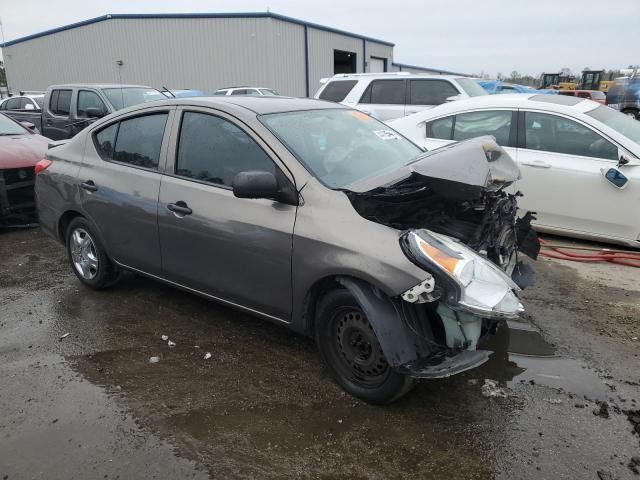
pixel 392 95
pixel 246 91
pixel 579 159
pixel 22 102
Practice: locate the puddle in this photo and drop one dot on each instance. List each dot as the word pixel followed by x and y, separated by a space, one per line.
pixel 522 355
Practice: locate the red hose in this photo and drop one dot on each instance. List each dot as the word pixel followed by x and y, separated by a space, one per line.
pixel 630 259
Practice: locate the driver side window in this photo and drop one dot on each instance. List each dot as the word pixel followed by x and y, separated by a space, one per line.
pixel 551 133
pixel 213 150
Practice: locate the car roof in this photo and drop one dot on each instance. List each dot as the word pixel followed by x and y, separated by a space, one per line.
pixel 391 75
pixel 97 85
pixel 258 104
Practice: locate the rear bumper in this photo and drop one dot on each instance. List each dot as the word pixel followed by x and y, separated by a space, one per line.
pixel 17 197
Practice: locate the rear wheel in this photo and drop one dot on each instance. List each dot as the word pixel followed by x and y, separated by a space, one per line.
pixel 88 257
pixel 351 352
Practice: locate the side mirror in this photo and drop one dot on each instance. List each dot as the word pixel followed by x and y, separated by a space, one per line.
pixel 28 125
pixel 256 184
pixel 29 106
pixel 94 112
pixel 615 177
pixel 454 98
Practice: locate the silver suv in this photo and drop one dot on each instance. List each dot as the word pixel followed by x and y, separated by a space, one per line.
pixel 306 213
pixel 392 95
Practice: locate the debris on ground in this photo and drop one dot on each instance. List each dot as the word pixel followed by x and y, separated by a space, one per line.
pixel 164 338
pixel 602 411
pixel 207 356
pixel 602 475
pixel 62 337
pixel 634 465
pixel 553 401
pixel 634 417
pixel 154 359
pixel 490 389
pixel 171 343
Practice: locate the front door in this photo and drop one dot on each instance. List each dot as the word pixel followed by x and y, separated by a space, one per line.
pixel 120 183
pixel 235 249
pixel 561 162
pixel 425 94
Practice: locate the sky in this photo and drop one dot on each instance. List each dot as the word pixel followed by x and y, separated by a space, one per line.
pixel 468 36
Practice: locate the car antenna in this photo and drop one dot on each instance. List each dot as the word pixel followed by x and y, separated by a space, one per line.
pixel 167 90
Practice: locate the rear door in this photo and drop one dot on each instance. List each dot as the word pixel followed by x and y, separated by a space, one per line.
pixel 561 161
pixel 384 99
pixel 427 93
pixel 120 183
pixel 235 249
pixel 56 123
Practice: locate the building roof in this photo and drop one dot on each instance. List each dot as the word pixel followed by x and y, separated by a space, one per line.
pixel 275 16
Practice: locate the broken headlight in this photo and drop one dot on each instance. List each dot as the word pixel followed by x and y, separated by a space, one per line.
pixel 470 282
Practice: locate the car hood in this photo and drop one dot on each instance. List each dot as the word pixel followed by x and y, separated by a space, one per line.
pixel 478 164
pixel 19 151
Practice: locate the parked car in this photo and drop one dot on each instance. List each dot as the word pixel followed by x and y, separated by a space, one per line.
pixel 493 87
pixel 178 93
pixel 624 96
pixel 67 109
pixel 269 92
pixel 569 149
pixel 386 96
pixel 20 150
pixel 22 102
pixel 311 215
pixel 595 95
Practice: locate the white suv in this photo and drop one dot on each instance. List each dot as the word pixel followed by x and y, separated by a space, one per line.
pixel 392 95
pixel 246 91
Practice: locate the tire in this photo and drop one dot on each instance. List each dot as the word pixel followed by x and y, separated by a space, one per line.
pixel 351 353
pixel 632 113
pixel 87 256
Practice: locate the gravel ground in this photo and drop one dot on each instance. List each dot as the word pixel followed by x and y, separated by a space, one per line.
pixel 91 405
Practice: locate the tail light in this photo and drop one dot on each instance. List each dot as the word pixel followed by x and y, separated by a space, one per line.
pixel 42 165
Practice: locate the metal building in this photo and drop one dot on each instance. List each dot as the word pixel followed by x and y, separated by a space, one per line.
pixel 200 51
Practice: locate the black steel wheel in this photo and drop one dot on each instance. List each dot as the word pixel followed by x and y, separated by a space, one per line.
pixel 352 353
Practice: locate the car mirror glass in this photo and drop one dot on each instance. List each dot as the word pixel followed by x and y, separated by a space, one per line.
pixel 29 106
pixel 255 184
pixel 94 112
pixel 28 125
pixel 615 177
pixel 453 98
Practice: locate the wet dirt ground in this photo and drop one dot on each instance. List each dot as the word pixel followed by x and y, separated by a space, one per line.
pixel 91 405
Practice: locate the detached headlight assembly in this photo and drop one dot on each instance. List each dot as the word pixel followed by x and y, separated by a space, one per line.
pixel 470 281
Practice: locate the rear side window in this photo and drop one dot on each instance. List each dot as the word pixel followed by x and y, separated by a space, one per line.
pixel 385 92
pixel 430 92
pixel 337 91
pixel 60 102
pixel 213 150
pixel 441 128
pixel 14 103
pixel 475 124
pixel 240 91
pixel 136 141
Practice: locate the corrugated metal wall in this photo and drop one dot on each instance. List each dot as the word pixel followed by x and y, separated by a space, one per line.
pixel 200 53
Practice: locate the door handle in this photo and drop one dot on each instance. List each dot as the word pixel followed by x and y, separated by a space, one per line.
pixel 48 121
pixel 179 208
pixel 89 186
pixel 537 164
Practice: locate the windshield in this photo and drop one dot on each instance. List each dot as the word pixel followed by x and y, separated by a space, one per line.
pixel 621 123
pixel 126 97
pixel 341 146
pixel 9 127
pixel 471 87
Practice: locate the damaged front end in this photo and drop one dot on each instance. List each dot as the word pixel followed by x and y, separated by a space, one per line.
pixel 17 200
pixel 460 226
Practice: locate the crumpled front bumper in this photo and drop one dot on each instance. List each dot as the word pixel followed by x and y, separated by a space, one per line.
pixel 17 197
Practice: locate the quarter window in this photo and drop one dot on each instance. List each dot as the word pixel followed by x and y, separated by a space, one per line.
pixel 88 99
pixel 136 141
pixel 60 102
pixel 475 124
pixel 214 150
pixel 552 133
pixel 440 128
pixel 337 91
pixel 430 92
pixel 385 92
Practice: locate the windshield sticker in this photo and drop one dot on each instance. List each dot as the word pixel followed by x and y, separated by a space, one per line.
pixel 386 134
pixel 359 115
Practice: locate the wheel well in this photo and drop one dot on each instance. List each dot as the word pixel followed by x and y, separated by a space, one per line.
pixel 63 224
pixel 314 294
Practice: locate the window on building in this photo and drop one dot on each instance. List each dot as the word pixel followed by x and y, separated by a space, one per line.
pixel 344 62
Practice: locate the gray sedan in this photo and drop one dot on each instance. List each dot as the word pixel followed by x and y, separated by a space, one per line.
pixel 305 213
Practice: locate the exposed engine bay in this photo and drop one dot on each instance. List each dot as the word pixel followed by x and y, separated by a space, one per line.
pixel 472 204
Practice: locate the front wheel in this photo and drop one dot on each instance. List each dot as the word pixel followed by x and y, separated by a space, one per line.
pixel 88 257
pixel 351 352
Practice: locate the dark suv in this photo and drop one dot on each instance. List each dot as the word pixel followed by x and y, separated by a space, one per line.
pixel 624 95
